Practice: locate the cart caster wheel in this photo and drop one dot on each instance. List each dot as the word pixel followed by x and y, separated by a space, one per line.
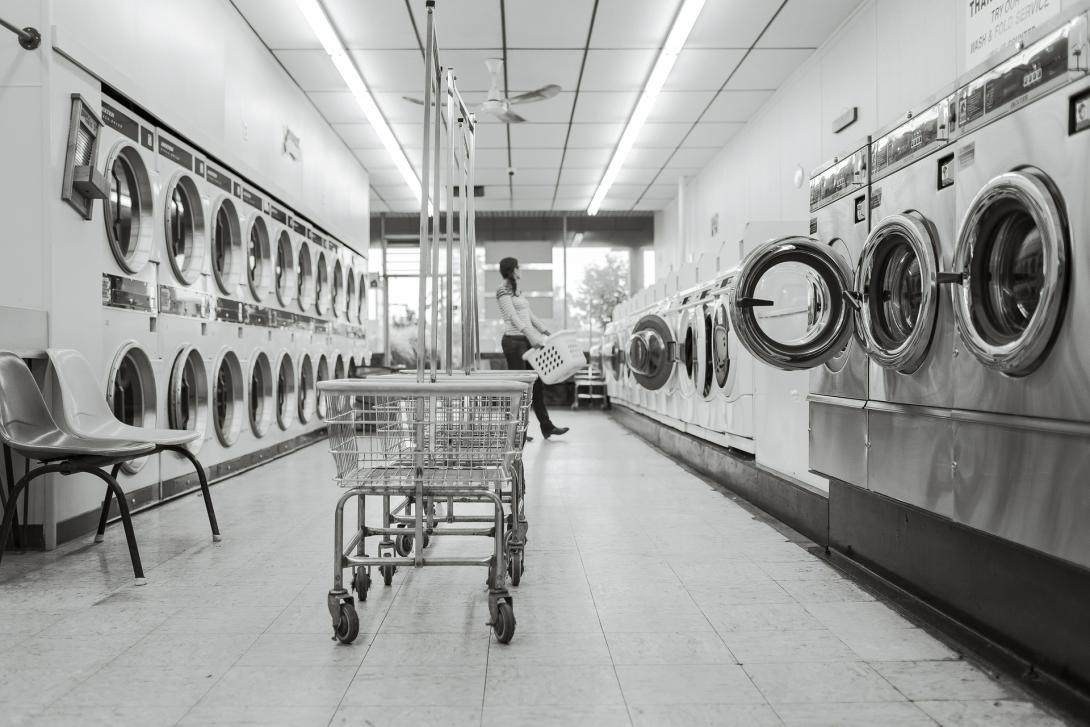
pixel 514 567
pixel 361 583
pixel 387 572
pixel 403 545
pixel 504 623
pixel 347 627
pixel 427 540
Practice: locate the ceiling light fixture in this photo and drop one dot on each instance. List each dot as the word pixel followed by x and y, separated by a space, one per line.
pixel 675 41
pixel 319 22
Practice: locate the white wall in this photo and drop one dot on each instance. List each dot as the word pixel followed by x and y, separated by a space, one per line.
pixel 887 58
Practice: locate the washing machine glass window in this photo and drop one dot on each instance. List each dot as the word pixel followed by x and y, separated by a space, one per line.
pixel 304 275
pixel 321 285
pixel 261 393
pixel 128 209
pixel 651 352
pixel 227 395
pixel 259 270
pixel 130 391
pixel 350 305
pixel 184 229
pixel 226 246
pixel 790 304
pixel 1013 251
pixel 897 275
pixel 338 290
pixel 285 269
pixel 361 299
pixel 707 368
pixel 306 389
pixel 321 375
pixel 720 342
pixel 285 391
pixel 187 394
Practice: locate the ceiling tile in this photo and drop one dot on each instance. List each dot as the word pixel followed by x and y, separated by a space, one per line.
pixel 572 175
pixel 553 24
pixel 632 23
pixel 385 177
pixel 536 158
pixel 731 23
pixel 393 192
pixel 488 204
pixel 404 205
pixel 696 157
pixel 533 191
pixel 391 70
pixel 662 135
pixel 531 69
pixel 492 158
pixel 573 191
pixel 491 136
pixel 409 134
pixel 573 204
pixel 647 158
pixel 473 24
pixel 538 135
pixel 378 206
pixel 359 136
pixel 373 24
pixel 278 23
pixel 670 174
pixel 397 110
pixel 680 106
pixel 713 133
pixel 534 205
pixel 470 70
pixel 660 190
pixel 605 106
pixel 736 105
pixel 767 68
pixel 636 175
pixel 592 136
pixel 618 204
pixel 617 70
pixel 374 159
pixel 490 176
pixel 702 69
pixel 546 175
pixel 627 191
pixel 554 110
pixel 806 24
pixel 312 70
pixel 593 158
pixel 651 205
pixel 338 107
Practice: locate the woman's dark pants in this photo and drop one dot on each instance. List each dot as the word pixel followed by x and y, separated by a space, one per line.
pixel 513 348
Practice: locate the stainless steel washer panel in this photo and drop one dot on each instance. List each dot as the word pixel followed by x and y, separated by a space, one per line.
pixel 911 455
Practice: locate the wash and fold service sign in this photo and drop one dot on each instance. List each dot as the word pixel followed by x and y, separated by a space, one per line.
pixel 992 25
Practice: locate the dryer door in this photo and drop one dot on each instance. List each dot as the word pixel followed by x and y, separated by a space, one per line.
pixel 720 347
pixel 706 380
pixel 793 306
pixel 1012 252
pixel 898 277
pixel 652 352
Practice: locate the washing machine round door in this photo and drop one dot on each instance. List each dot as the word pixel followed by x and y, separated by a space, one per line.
pixel 689 351
pixel 720 347
pixel 1012 252
pixel 898 276
pixel 651 352
pixel 187 395
pixel 615 359
pixel 705 354
pixel 793 305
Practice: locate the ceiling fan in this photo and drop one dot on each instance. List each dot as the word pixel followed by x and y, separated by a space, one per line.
pixel 497 104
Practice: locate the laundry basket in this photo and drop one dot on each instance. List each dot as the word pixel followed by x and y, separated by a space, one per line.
pixel 558 359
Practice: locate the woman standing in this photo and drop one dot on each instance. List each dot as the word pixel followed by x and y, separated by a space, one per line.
pixel 521 332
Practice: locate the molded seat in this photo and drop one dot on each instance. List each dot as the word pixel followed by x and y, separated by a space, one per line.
pixel 84 410
pixel 27 426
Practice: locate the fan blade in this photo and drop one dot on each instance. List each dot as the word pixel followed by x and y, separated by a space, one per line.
pixel 416 101
pixel 510 117
pixel 540 94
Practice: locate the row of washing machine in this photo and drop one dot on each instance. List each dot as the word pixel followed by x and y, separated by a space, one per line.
pixel 203 303
pixel 940 302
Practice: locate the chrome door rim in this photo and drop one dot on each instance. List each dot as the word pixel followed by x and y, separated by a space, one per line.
pixel 688 371
pixel 724 370
pixel 647 326
pixel 1026 352
pixel 832 268
pixel 910 354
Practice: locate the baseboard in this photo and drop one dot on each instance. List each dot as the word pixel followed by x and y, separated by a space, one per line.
pixel 796 504
pixel 154 495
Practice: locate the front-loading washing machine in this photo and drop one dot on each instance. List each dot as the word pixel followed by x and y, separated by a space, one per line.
pixel 652 357
pixel 728 372
pixel 1022 363
pixel 905 316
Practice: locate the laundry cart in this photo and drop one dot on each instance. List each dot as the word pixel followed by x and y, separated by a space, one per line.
pixel 432 440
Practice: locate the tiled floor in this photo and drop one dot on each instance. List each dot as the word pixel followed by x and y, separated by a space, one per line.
pixel 649 599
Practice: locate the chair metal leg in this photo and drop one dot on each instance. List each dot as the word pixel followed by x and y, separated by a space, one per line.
pixel 10 474
pixel 20 486
pixel 126 521
pixel 102 518
pixel 216 537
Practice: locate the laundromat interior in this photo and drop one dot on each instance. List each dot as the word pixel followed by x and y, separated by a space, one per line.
pixel 583 362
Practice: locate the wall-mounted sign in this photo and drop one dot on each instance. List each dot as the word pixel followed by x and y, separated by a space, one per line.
pixel 846 118
pixel 715 224
pixel 993 25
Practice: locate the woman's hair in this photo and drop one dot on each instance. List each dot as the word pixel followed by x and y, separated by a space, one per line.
pixel 507 270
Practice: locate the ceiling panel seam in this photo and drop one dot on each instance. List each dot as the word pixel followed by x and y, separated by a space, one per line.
pixel 575 100
pixel 710 102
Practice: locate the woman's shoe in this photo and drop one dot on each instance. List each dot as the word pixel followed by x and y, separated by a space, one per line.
pixel 555 430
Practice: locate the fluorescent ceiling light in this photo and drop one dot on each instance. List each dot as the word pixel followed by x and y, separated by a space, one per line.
pixel 331 42
pixel 675 41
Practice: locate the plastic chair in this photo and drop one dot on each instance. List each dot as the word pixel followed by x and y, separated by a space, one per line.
pixel 84 411
pixel 28 428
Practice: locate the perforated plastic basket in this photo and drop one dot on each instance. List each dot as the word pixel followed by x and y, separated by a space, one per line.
pixel 558 359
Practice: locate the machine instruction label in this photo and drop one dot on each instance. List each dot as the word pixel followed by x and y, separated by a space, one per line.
pixel 299 227
pixel 278 214
pixel 119 122
pixel 219 179
pixel 175 154
pixel 994 25
pixel 252 199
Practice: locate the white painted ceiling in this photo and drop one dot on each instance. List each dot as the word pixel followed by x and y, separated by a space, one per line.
pixel 599 51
